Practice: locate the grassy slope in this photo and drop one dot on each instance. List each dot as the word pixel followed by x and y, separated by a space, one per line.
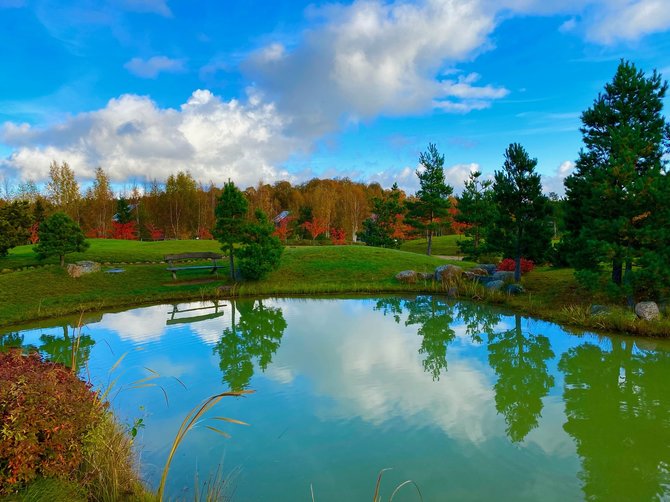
pixel 38 293
pixel 444 245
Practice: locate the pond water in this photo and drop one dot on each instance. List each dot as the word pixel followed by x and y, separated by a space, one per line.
pixel 468 402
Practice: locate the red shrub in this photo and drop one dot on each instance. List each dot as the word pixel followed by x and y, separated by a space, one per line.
pixel 127 231
pixel 508 264
pixel 155 233
pixel 45 411
pixel 337 236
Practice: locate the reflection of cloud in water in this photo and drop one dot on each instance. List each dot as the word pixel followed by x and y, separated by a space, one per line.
pixel 370 367
pixel 550 436
pixel 138 325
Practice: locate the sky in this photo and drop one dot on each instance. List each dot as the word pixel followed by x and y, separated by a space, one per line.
pixel 259 90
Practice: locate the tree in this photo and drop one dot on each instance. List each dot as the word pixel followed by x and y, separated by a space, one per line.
pixel 261 250
pixel 521 226
pixel 231 211
pixel 15 221
pixel 315 227
pixel 63 189
pixel 616 209
pixel 60 235
pixel 432 200
pixel 378 230
pixel 124 225
pixel 100 202
pixel 476 211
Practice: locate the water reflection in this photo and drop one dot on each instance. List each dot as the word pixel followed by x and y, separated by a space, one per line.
pixel 256 335
pixel 520 362
pixel 618 413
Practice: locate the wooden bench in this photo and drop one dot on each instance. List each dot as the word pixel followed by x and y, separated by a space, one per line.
pixel 171 258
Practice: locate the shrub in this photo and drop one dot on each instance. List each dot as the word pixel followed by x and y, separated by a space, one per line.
pixel 46 412
pixel 508 264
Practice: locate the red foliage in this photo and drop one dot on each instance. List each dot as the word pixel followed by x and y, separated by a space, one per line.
pixel 457 226
pixel 45 411
pixel 126 231
pixel 96 233
pixel 401 230
pixel 34 236
pixel 315 227
pixel 204 233
pixel 509 265
pixel 283 229
pixel 338 236
pixel 155 233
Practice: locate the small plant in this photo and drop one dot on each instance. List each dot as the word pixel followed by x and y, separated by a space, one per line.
pixel 509 265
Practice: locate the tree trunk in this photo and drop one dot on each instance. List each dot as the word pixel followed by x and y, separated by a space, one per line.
pixel 232 263
pixel 517 258
pixel 430 242
pixel 626 280
pixel 617 268
pixel 62 260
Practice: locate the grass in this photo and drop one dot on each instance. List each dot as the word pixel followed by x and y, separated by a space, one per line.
pixel 445 245
pixel 29 294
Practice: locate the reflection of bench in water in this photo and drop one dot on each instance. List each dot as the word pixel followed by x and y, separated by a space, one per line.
pixel 212 315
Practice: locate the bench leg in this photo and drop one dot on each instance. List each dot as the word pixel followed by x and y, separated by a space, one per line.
pixel 174 275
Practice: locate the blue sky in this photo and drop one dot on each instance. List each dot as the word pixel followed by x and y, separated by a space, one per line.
pixel 258 90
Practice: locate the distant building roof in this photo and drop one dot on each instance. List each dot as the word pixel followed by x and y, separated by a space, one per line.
pixel 281 216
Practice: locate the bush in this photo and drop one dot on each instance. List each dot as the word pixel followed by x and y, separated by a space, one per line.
pixel 508 264
pixel 46 411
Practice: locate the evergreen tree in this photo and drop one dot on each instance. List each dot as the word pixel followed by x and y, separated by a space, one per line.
pixel 230 229
pixel 476 209
pixel 60 235
pixel 15 221
pixel 431 206
pixel 617 197
pixel 124 212
pixel 521 227
pixel 379 228
pixel 261 250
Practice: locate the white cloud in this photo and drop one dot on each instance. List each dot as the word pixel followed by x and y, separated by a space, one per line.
pixel 457 175
pixel 554 182
pixel 139 325
pixel 214 139
pixel 151 67
pixel 629 20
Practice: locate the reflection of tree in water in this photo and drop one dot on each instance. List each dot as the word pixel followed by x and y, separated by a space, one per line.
pixel 478 319
pixel 59 349
pixel 617 405
pixel 520 361
pixel 257 335
pixel 11 341
pixel 434 317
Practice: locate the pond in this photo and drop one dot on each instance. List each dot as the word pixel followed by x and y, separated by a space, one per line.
pixel 468 402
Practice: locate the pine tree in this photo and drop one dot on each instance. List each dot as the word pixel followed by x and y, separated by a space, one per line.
pixel 15 221
pixel 617 197
pixel 231 212
pixel 431 207
pixel 476 210
pixel 261 250
pixel 379 228
pixel 521 227
pixel 60 235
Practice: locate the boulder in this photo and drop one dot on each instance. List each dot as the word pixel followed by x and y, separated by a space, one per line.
pixel 478 271
pixel 647 311
pixel 598 310
pixel 495 285
pixel 82 268
pixel 515 289
pixel 406 276
pixel 447 273
pixel 505 276
pixel 481 279
pixel 425 276
pixel 489 267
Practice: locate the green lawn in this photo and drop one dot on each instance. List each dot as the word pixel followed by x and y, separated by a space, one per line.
pixel 445 245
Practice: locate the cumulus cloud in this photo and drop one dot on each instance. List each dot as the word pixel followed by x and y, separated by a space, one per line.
pixel 213 138
pixel 151 67
pixel 554 183
pixel 629 20
pixel 373 58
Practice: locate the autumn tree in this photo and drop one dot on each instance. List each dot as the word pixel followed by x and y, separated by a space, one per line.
pixel 231 223
pixel 521 226
pixel 431 204
pixel 60 235
pixel 63 189
pixel 124 225
pixel 182 201
pixel 476 211
pixel 99 201
pixel 617 210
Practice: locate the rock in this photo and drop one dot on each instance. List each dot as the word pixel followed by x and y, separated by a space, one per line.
pixel 406 276
pixel 647 311
pixel 82 267
pixel 478 271
pixel 599 310
pixel 505 276
pixel 489 267
pixel 6 270
pixel 515 289
pixel 495 285
pixel 481 279
pixel 447 273
pixel 425 276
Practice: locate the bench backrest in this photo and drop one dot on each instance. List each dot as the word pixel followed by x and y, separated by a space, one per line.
pixel 193 256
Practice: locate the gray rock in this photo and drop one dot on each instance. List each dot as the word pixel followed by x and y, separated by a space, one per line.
pixel 481 279
pixel 489 267
pixel 82 268
pixel 447 273
pixel 599 310
pixel 495 285
pixel 505 276
pixel 479 271
pixel 406 276
pixel 515 289
pixel 425 276
pixel 647 311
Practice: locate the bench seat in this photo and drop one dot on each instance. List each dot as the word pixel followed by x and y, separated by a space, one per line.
pixel 171 258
